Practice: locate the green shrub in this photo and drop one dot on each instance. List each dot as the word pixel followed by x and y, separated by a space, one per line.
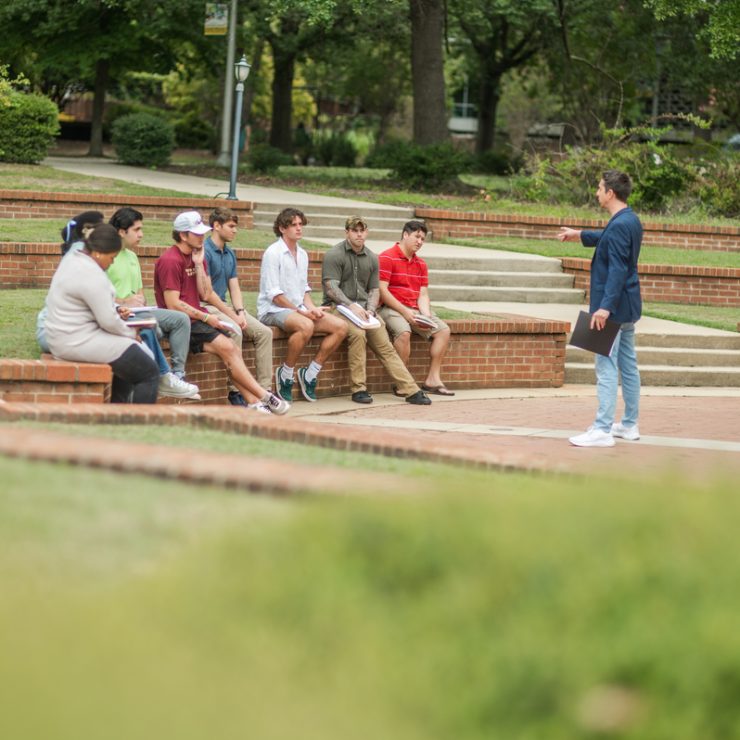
pixel 718 187
pixel 385 156
pixel 336 150
pixel 192 132
pixel 433 167
pixel 28 125
pixel 265 159
pixel 143 139
pixel 496 163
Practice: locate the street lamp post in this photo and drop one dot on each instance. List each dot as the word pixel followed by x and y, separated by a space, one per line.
pixel 241 72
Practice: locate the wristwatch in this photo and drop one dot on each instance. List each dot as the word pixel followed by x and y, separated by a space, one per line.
pixel 239 310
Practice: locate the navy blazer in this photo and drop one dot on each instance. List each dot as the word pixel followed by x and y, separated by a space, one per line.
pixel 615 285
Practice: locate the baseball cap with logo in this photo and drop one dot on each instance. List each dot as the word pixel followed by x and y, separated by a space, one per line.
pixel 190 221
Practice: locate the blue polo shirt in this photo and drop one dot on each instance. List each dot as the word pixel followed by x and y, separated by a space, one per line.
pixel 221 267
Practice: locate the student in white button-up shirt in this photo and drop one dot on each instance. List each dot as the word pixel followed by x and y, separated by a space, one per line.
pixel 285 301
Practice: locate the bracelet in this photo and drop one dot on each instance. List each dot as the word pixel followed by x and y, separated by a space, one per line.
pixel 302 307
pixel 239 310
pixel 205 318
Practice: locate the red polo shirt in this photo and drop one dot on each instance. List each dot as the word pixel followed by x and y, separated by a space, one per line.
pixel 176 271
pixel 405 277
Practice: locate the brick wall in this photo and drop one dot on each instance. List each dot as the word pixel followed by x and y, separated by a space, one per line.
pixel 50 381
pixel 456 224
pixel 707 286
pixel 31 204
pixel 507 352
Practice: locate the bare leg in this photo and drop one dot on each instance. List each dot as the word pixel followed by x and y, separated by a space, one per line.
pixel 336 331
pixel 402 344
pixel 300 328
pixel 240 375
pixel 437 351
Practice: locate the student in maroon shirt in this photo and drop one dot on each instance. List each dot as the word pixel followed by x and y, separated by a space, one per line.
pixel 407 308
pixel 180 283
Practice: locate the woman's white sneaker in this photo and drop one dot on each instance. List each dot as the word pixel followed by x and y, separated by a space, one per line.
pixel 629 433
pixel 259 407
pixel 593 438
pixel 276 404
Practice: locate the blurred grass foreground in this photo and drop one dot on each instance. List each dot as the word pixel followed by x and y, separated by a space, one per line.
pixel 512 607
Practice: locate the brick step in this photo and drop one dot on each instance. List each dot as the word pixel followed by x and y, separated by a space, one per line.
pixel 507 294
pixel 500 278
pixel 660 375
pixel 670 357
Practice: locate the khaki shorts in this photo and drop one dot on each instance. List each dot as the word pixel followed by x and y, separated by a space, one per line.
pixel 396 324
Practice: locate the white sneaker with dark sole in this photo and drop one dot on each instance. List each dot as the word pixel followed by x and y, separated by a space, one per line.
pixel 275 404
pixel 593 438
pixel 259 407
pixel 629 433
pixel 172 387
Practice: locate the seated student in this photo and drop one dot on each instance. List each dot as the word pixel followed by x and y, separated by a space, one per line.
pixel 180 284
pixel 125 274
pixel 407 308
pixel 285 301
pixel 84 325
pixel 73 234
pixel 221 263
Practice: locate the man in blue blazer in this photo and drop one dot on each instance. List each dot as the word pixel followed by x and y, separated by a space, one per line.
pixel 615 294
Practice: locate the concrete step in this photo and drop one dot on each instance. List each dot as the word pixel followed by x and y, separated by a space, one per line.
pixel 368 210
pixel 497 263
pixel 690 341
pixel 670 357
pixel 336 231
pixel 508 294
pixel 710 376
pixel 501 278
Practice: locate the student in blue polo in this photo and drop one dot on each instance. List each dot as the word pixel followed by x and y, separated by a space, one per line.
pixel 222 272
pixel 615 295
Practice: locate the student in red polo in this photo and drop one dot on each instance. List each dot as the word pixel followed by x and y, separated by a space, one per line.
pixel 406 307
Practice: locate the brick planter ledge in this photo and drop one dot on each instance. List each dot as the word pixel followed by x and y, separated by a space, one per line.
pixel 706 286
pixel 462 224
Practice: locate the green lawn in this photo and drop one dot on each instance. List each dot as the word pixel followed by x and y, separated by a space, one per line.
pixel 717 317
pixel 493 606
pixel 155 233
pixel 40 177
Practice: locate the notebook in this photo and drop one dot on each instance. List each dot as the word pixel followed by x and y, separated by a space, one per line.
pixel 594 340
pixel 371 323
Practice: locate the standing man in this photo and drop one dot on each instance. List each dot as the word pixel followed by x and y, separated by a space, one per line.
pixel 615 294
pixel 350 278
pixel 221 262
pixel 404 292
pixel 125 274
pixel 180 283
pixel 285 301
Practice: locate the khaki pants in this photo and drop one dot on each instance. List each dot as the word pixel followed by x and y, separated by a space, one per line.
pixel 358 340
pixel 261 336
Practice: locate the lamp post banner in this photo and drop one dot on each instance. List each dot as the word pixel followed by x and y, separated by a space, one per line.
pixel 217 19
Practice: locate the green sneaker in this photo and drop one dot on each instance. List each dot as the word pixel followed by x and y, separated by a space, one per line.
pixel 284 387
pixel 308 387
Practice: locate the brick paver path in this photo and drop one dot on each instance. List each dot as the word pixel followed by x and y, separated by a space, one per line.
pixel 694 436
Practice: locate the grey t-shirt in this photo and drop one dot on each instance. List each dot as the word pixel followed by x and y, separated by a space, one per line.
pixel 357 273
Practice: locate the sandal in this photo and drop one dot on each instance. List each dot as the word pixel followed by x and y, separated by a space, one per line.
pixel 438 390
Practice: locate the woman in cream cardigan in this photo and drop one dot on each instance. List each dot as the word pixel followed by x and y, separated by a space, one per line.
pixel 83 324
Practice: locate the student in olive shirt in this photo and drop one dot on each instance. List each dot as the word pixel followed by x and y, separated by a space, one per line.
pixel 350 279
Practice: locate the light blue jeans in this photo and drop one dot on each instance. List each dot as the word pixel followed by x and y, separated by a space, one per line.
pixel 622 361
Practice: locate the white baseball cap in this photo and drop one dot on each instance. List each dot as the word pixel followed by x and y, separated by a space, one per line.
pixel 190 221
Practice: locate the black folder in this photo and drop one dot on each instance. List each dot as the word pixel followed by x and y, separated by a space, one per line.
pixel 594 340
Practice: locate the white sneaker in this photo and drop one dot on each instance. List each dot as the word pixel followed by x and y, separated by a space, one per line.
pixel 276 404
pixel 259 407
pixel 630 433
pixel 170 385
pixel 593 438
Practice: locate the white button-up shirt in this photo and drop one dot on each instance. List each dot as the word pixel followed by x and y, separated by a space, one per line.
pixel 281 273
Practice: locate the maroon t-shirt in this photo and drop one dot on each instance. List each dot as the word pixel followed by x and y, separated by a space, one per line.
pixel 405 277
pixel 176 271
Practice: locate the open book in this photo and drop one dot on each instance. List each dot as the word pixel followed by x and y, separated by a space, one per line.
pixel 141 309
pixel 371 323
pixel 427 322
pixel 141 323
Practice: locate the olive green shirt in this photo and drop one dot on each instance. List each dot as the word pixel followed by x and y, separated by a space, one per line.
pixel 357 273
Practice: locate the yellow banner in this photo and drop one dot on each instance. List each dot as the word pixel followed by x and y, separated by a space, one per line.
pixel 217 19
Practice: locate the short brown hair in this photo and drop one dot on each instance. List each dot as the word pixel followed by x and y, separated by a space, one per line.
pixel 619 183
pixel 353 222
pixel 285 219
pixel 411 227
pixel 221 215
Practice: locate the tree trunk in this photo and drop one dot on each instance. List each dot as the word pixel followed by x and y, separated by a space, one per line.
pixel 427 74
pixel 489 94
pixel 102 69
pixel 282 100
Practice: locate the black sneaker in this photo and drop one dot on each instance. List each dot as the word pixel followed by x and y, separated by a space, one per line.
pixel 419 399
pixel 362 397
pixel 236 399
